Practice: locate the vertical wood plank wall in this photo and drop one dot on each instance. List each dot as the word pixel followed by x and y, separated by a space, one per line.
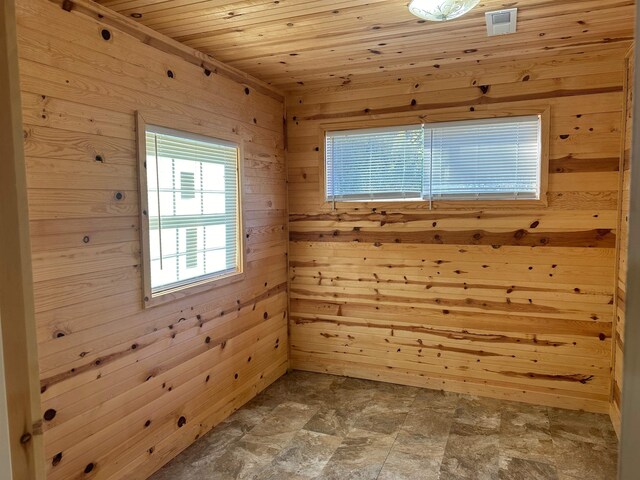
pixel 511 302
pixel 124 389
pixel 622 246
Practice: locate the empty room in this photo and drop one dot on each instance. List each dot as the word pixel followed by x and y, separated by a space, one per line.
pixel 307 240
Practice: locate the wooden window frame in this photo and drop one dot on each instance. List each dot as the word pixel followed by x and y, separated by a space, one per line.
pixel 149 299
pixel 448 115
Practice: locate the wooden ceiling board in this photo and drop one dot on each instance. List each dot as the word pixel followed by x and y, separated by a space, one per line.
pixel 293 44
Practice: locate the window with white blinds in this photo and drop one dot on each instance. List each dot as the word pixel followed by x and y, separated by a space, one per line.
pixel 193 208
pixel 489 159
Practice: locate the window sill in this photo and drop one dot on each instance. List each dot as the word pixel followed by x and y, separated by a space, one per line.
pixel 192 289
pixel 392 205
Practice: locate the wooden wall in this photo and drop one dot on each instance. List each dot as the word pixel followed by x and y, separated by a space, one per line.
pixel 507 301
pixel 623 241
pixel 124 389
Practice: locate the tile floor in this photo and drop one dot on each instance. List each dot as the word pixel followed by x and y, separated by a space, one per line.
pixel 312 426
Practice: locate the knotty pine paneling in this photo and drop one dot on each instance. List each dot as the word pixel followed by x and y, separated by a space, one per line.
pixel 623 241
pixel 295 44
pixel 504 300
pixel 124 389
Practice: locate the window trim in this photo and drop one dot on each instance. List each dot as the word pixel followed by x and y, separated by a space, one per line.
pixel 199 285
pixel 442 116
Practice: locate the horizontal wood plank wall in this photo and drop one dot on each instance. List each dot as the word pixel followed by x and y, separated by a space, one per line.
pixel 507 301
pixel 125 389
pixel 623 241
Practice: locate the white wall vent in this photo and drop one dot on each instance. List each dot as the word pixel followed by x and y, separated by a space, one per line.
pixel 501 22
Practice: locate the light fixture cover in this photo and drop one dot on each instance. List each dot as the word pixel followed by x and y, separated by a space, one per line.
pixel 441 10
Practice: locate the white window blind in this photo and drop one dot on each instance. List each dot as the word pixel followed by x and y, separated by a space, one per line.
pixel 466 160
pixel 193 205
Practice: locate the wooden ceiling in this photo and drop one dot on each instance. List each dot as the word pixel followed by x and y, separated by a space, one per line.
pixel 297 43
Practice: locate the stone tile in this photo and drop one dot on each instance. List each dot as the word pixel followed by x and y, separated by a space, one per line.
pixel 340 409
pixel 243 460
pixel 357 384
pixel 520 469
pixel 284 421
pixel 483 413
pixel 310 426
pixel 525 433
pixel 304 457
pixel 410 466
pixel 275 473
pixel 532 445
pixel 436 399
pixel 420 444
pixel 332 421
pixel 359 457
pixel 245 418
pixel 457 467
pixel 381 420
pixel 581 426
pixel 585 460
pixel 386 411
pixel 434 423
pixel 470 453
pixel 299 387
pixel 518 418
pixel 193 462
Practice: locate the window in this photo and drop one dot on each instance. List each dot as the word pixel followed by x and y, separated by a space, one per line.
pixel 490 159
pixel 191 210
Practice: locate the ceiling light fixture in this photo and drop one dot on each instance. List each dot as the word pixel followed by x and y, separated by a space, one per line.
pixel 441 10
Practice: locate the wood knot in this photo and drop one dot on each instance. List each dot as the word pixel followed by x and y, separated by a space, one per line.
pixel 50 414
